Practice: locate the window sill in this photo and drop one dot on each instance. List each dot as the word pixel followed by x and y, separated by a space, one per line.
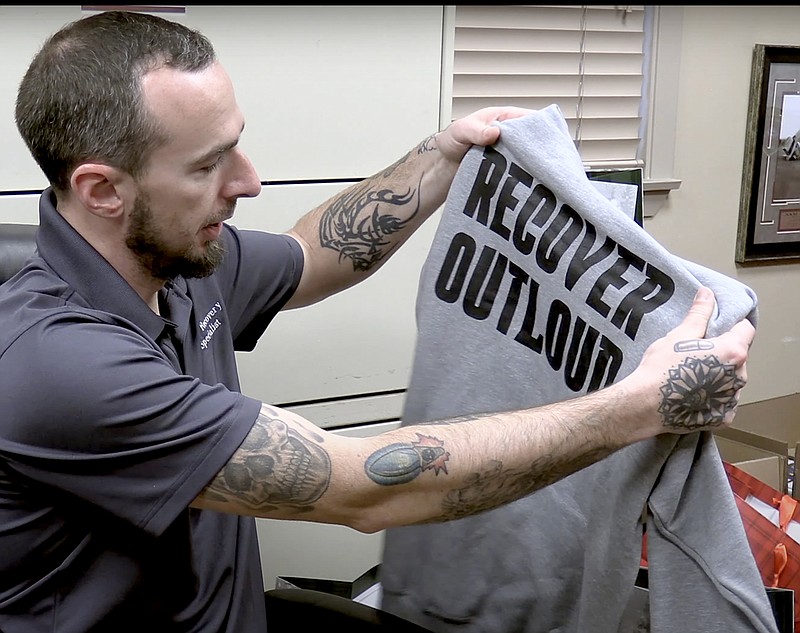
pixel 656 192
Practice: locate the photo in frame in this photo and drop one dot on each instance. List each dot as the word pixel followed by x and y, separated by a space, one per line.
pixel 769 209
pixel 624 189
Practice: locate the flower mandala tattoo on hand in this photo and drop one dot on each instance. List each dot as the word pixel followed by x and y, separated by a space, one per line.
pixel 699 393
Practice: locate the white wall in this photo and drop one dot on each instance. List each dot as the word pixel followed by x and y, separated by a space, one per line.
pixel 699 220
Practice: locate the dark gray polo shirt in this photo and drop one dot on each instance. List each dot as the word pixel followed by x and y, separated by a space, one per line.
pixel 105 441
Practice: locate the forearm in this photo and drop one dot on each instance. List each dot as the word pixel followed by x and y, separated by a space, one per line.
pixel 456 468
pixel 415 474
pixel 351 235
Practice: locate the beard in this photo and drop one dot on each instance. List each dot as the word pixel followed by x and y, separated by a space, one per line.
pixel 161 261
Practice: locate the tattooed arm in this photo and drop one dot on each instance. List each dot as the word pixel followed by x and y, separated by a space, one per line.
pixel 350 236
pixel 290 469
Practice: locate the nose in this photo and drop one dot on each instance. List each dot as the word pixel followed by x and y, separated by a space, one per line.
pixel 244 181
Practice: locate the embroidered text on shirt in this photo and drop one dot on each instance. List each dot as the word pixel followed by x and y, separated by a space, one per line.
pixel 209 324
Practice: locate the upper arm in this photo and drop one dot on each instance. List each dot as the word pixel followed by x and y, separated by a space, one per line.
pixel 260 273
pixel 307 291
pixel 324 271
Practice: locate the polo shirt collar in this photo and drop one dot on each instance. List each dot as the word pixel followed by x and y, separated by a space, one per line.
pixel 86 271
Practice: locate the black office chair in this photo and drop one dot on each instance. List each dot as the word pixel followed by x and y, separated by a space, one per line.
pixel 17 243
pixel 296 609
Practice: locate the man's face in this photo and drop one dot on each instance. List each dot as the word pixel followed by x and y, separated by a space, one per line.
pixel 192 181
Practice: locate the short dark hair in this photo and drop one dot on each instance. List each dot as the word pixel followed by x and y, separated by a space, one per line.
pixel 81 98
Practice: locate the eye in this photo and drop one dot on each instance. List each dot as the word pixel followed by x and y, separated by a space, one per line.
pixel 210 168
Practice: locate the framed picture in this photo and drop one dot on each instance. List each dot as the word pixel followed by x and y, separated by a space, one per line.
pixel 769 209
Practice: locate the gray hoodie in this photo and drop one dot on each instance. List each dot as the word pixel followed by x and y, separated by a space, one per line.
pixel 537 289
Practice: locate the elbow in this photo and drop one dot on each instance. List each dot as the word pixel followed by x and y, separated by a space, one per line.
pixel 370 518
pixel 369 522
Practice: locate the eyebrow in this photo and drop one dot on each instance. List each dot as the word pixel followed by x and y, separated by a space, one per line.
pixel 218 151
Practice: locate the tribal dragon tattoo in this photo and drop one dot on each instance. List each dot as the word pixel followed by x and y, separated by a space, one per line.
pixel 358 227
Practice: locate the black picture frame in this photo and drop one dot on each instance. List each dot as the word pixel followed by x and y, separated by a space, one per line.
pixel 769 208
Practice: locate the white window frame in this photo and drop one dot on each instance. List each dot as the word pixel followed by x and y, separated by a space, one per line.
pixel 661 99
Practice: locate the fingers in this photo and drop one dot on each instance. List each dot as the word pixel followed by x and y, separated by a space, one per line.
pixel 477 129
pixel 490 133
pixel 511 112
pixel 745 331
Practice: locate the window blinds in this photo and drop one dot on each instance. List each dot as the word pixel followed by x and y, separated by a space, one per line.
pixel 587 59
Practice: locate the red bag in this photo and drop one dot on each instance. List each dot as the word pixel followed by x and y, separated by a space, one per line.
pixel 776 553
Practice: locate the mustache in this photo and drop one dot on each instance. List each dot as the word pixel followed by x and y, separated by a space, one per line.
pixel 225 214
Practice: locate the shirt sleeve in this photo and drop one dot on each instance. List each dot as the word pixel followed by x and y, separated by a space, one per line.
pixel 264 269
pixel 99 414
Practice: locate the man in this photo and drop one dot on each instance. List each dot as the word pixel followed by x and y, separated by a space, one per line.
pixel 127 493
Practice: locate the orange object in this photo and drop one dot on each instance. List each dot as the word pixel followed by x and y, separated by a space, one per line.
pixel 777 554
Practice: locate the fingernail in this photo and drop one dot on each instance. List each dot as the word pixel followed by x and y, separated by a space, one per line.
pixel 703 293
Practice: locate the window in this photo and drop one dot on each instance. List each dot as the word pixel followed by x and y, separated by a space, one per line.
pixel 593 61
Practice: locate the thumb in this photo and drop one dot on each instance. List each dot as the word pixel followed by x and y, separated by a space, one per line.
pixel 695 323
pixel 489 134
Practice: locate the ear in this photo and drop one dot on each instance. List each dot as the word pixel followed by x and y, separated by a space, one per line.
pixel 99 188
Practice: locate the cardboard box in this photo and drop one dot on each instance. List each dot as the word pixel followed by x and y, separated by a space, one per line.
pixel 766 458
pixel 777 418
pixel 770 470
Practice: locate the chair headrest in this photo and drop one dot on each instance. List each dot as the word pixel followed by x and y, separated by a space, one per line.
pixel 17 244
